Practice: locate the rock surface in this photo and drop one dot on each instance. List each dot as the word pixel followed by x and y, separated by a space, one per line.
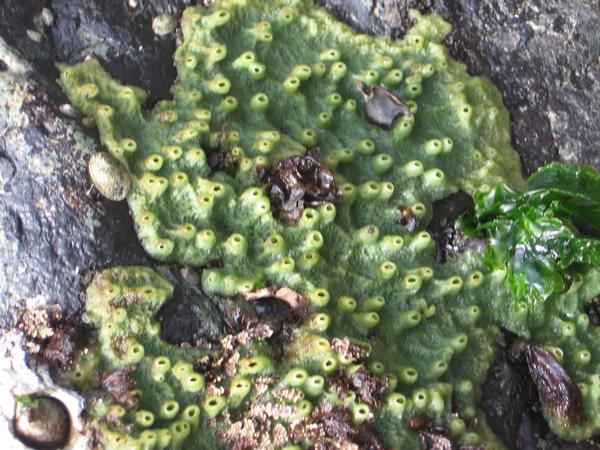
pixel 54 231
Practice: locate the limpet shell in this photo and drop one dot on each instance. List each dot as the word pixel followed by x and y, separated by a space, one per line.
pixel 109 176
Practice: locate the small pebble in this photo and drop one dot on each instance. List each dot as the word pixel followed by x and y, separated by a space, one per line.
pixel 88 122
pixel 34 36
pixel 132 3
pixel 69 110
pixel 47 17
pixel 416 423
pixel 164 24
pixel 190 275
pixel 41 422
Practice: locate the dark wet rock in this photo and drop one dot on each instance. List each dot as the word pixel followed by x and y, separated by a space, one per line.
pixel 41 422
pixel 54 230
pixel 389 17
pixel 119 35
pixel 542 58
pixel 180 322
pixel 593 310
pixel 298 182
pixel 381 107
pixel 508 375
pixel 448 209
pixel 191 317
pixel 448 240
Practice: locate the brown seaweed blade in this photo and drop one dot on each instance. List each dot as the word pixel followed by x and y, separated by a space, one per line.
pixel 559 395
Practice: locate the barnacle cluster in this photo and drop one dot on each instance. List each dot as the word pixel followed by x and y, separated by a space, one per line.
pixel 259 82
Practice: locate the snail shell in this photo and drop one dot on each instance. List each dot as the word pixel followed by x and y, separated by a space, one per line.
pixel 109 176
pixel 42 422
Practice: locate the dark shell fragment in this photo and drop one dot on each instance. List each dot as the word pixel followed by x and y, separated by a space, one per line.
pixel 433 441
pixel 297 182
pixel 220 159
pixel 557 392
pixel 282 309
pixel 41 422
pixel 331 427
pixel 369 388
pixel 448 240
pixel 381 106
pixel 593 310
pixel 119 384
pixel 407 219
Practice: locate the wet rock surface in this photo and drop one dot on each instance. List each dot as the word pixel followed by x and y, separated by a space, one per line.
pixel 54 230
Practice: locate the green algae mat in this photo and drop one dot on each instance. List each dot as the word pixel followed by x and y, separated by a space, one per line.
pixel 377 335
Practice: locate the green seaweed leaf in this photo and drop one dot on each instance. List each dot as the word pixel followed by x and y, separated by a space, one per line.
pixel 531 232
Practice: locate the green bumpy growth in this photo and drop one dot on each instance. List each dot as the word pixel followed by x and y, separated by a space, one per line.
pixel 282 77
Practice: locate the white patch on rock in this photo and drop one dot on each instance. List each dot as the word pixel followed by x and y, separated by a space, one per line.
pixel 164 24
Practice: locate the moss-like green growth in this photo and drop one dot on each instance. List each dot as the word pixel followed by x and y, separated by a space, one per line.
pixel 262 81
